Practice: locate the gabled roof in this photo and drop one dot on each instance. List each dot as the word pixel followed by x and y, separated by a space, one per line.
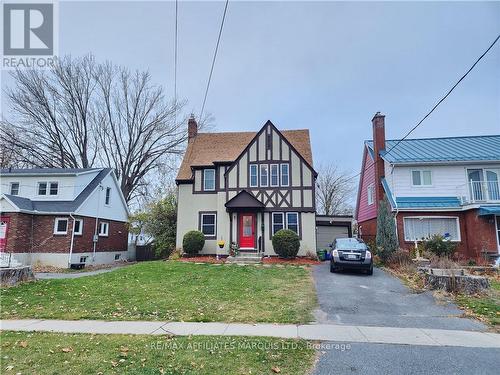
pixel 55 206
pixel 450 149
pixel 207 148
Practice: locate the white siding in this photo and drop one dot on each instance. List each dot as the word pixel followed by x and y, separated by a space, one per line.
pixel 28 186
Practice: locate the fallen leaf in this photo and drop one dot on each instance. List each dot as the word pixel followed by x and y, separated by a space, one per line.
pixel 23 344
pixel 67 350
pixel 276 369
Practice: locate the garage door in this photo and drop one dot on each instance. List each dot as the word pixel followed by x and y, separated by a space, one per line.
pixel 326 234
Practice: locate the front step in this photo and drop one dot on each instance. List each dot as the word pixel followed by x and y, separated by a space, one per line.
pixel 245 258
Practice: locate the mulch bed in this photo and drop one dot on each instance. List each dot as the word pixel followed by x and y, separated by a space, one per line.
pixel 296 261
pixel 265 260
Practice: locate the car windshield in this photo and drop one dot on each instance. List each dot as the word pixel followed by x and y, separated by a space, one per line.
pixel 350 243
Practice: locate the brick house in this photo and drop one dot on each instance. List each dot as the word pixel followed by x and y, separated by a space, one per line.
pixel 243 187
pixel 60 217
pixel 448 186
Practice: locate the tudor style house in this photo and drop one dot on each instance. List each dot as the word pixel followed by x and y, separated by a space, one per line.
pixel 243 187
pixel 448 186
pixel 60 217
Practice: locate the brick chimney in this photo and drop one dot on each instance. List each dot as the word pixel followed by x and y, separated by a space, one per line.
pixel 378 124
pixel 192 128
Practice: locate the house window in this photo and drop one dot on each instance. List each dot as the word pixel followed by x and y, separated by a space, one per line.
pixel 208 224
pixel 61 225
pixel 284 175
pixel 209 179
pixel 108 196
pixel 14 188
pixel 370 191
pixel 278 221
pixel 292 221
pixel 419 228
pixel 275 178
pixel 54 187
pixel 103 229
pixel 117 256
pixel 264 175
pixel 78 227
pixel 83 259
pixel 254 178
pixel 42 188
pixel 421 178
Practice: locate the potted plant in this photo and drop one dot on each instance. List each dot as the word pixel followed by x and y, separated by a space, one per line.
pixel 221 244
pixel 234 249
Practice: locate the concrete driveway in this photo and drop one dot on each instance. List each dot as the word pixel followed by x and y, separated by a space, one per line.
pixel 381 300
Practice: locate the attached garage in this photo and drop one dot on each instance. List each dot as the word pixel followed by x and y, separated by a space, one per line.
pixel 328 228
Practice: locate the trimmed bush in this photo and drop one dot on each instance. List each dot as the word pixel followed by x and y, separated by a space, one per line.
pixel 439 246
pixel 286 243
pixel 193 242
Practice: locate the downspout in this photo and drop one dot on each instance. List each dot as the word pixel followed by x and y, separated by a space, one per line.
pixel 96 236
pixel 72 241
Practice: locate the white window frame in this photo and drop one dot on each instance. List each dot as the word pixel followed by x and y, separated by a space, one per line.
pixel 255 167
pixel 287 174
pixel 421 172
pixel 107 196
pixel 457 221
pixel 80 232
pixel 49 188
pixel 283 221
pixel 266 167
pixel 205 179
pixel 56 224
pixel 38 188
pixel 278 177
pixel 18 188
pixel 298 221
pixel 103 224
pixel 214 224
pixel 370 194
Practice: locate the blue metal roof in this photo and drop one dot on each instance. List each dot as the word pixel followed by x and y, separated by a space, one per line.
pixel 489 210
pixel 427 202
pixel 452 149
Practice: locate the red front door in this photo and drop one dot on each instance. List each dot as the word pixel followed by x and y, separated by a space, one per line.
pixel 247 231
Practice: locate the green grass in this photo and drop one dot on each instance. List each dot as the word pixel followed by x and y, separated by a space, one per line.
pixel 170 291
pixel 485 307
pixel 52 353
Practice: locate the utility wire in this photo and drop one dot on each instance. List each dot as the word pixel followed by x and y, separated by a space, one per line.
pixel 175 53
pixel 213 60
pixel 433 108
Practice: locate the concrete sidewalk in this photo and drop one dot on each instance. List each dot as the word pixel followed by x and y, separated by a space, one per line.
pixel 320 332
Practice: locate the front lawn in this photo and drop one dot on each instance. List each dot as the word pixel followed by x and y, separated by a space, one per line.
pixel 171 291
pixel 53 353
pixel 485 307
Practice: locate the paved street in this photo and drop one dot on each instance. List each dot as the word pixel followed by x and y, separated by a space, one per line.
pixel 381 300
pixel 376 359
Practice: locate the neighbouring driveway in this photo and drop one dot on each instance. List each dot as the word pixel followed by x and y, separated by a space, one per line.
pixel 381 300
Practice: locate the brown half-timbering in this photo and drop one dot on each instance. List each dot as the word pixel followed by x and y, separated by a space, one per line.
pixel 202 185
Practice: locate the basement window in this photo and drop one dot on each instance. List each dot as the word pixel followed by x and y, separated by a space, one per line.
pixel 117 256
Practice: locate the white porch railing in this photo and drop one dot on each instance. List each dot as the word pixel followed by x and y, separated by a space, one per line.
pixel 484 191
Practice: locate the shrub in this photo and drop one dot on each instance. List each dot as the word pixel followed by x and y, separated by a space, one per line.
pixel 387 242
pixel 442 262
pixel 437 245
pixel 400 258
pixel 193 242
pixel 286 243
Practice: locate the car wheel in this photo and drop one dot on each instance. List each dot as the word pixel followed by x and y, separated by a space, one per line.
pixel 370 271
pixel 332 268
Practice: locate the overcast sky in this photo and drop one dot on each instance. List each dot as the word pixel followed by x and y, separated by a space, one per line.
pixel 326 66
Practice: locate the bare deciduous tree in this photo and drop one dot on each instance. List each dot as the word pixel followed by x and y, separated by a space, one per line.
pixel 334 191
pixel 82 114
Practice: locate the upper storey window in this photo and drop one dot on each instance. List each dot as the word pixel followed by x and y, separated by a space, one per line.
pixel 209 179
pixel 254 175
pixel 48 188
pixel 421 178
pixel 265 175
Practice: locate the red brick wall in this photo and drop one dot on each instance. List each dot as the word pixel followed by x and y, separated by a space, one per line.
pixel 368 230
pixel 35 233
pixel 481 234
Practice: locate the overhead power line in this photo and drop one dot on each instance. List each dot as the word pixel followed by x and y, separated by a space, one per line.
pixel 213 60
pixel 433 108
pixel 175 52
